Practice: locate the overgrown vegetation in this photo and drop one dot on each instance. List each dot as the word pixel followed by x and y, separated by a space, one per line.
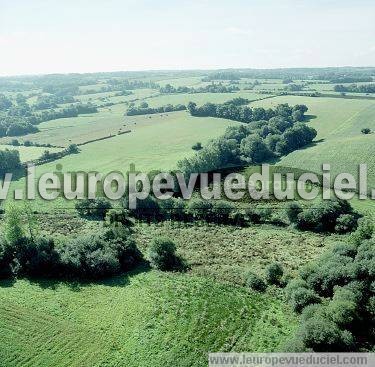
pixel 335 295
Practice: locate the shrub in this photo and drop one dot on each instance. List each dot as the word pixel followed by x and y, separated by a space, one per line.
pixel 264 214
pixel 238 218
pixel 292 210
pixel 99 255
pixel 345 223
pixel 199 209
pixel 197 146
pixel 293 285
pixel 179 209
pixel 274 273
pixel 72 149
pixel 342 312
pixel 15 143
pixel 5 259
pixel 162 255
pixel 322 335
pixel 303 297
pixel 323 216
pixel 148 209
pixel 253 215
pixel 93 208
pixel 366 131
pixel 116 217
pixel 13 226
pixel 312 310
pixel 344 249
pixel 221 211
pixel 37 257
pixel 365 229
pixel 256 283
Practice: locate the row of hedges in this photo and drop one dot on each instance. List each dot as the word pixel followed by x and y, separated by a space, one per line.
pixel 327 216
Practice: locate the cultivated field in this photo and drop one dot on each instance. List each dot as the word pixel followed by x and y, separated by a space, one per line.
pixel 143 319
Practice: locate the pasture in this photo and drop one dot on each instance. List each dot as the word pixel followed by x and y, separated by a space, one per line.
pixel 29 153
pixel 143 319
pixel 339 140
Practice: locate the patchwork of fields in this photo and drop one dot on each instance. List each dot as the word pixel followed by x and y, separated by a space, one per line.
pixel 153 318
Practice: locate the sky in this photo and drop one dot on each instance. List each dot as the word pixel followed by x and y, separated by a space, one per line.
pixel 41 37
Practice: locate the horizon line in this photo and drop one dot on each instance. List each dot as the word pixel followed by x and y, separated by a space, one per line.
pixel 185 70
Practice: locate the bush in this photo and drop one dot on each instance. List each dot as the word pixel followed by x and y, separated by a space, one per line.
pixel 13 227
pixel 256 283
pixel 344 249
pixel 99 255
pixel 292 210
pixel 116 217
pixel 312 310
pixel 221 211
pixel 199 209
pixel 162 255
pixel 323 216
pixel 365 229
pixel 322 335
pixel 93 208
pixel 293 285
pixel 366 131
pixel 274 273
pixel 253 215
pixel 5 259
pixel 147 209
pixel 345 223
pixel 197 146
pixel 72 149
pixel 238 218
pixel 301 298
pixel 37 257
pixel 172 209
pixel 342 312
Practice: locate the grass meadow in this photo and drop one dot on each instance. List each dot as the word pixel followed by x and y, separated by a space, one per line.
pixel 143 319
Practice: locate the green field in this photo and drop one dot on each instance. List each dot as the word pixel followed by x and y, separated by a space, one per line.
pixel 153 143
pixel 154 318
pixel 339 140
pixel 145 319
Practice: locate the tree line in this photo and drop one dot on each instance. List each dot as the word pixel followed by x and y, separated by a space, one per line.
pixel 211 88
pixel 354 88
pixel 145 109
